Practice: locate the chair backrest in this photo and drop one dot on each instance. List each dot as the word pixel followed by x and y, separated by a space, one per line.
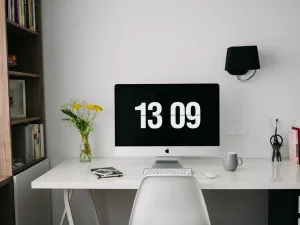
pixel 169 200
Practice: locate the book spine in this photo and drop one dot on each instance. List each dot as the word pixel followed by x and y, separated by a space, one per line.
pixel 298 138
pixel 42 141
pixel 29 14
pixel 13 10
pixel 36 141
pixel 17 11
pixel 293 146
pixel 21 12
pixel 9 9
pixel 33 14
pixel 32 142
pixel 25 13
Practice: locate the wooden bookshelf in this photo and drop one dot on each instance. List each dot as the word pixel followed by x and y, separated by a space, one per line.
pixel 5 139
pixel 26 44
pixel 6 199
pixel 16 121
pixel 17 74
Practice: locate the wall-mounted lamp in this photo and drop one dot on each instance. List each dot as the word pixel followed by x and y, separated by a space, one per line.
pixel 240 59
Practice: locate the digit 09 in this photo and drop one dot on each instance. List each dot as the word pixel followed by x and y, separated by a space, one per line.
pixel 185 113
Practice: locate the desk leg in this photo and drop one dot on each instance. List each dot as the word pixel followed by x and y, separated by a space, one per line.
pixel 70 194
pixel 67 197
pixel 65 212
pixel 95 210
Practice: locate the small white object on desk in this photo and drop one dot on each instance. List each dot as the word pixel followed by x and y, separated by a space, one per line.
pixel 210 175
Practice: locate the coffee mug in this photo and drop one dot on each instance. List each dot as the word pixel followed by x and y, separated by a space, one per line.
pixel 231 161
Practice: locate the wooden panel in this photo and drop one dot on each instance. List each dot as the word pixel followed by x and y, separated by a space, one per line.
pixel 5 143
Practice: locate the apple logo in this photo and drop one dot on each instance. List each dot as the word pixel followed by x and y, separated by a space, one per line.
pixel 167 150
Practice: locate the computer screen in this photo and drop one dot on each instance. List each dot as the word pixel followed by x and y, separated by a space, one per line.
pixel 167 115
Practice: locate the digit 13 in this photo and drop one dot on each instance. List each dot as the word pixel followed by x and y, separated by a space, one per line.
pixel 185 112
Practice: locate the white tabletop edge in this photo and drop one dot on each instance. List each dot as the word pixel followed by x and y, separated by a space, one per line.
pixel 255 174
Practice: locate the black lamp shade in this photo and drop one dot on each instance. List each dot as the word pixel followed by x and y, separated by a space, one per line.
pixel 240 59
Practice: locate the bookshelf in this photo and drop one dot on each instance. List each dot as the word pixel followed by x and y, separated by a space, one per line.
pixel 26 45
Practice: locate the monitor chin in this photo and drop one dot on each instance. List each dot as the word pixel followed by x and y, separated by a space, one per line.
pixel 176 151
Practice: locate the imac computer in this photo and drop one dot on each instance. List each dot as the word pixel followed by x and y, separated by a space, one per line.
pixel 167 121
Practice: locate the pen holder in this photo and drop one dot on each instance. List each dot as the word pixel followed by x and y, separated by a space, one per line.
pixel 276 152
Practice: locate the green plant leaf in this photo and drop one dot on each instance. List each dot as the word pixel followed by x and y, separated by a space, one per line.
pixel 69 113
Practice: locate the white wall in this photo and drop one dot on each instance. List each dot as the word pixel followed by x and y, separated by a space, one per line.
pixel 91 45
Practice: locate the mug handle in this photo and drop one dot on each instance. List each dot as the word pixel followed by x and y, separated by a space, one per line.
pixel 241 161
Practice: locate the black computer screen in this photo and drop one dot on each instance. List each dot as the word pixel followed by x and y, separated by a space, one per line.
pixel 167 115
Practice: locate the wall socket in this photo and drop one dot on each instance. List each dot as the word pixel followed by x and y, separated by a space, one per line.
pixel 237 131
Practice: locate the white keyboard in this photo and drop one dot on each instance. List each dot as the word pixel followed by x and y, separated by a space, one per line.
pixel 168 171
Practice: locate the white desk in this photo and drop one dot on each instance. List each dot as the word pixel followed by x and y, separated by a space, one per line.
pixel 253 174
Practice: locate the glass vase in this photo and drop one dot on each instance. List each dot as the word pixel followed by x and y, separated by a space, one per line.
pixel 85 150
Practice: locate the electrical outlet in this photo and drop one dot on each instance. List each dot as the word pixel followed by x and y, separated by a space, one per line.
pixel 242 131
pixel 232 132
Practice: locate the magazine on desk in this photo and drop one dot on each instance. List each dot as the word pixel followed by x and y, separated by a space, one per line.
pixel 106 172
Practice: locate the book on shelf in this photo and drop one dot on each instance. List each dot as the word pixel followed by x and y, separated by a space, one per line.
pixel 28 142
pixel 36 141
pixel 22 12
pixel 293 139
pixel 8 12
pixel 41 130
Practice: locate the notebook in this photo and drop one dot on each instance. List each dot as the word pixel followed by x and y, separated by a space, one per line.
pixel 106 172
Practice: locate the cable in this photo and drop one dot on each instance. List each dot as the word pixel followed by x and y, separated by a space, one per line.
pixel 239 77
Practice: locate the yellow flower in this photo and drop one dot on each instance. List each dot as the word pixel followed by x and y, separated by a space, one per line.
pixel 89 106
pixel 98 108
pixel 94 107
pixel 76 106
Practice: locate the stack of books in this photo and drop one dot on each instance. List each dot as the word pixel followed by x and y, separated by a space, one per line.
pixel 294 137
pixel 22 12
pixel 28 143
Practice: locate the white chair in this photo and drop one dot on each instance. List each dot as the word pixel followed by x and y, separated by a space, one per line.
pixel 169 200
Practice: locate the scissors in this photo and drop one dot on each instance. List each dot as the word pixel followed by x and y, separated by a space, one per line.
pixel 276 141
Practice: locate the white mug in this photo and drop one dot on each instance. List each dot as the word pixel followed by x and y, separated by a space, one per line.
pixel 231 161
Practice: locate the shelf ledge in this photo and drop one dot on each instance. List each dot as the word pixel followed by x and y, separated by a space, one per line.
pixel 18 26
pixel 22 74
pixel 27 166
pixel 15 121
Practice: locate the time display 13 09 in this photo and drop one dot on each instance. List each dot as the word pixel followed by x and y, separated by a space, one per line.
pixel 185 112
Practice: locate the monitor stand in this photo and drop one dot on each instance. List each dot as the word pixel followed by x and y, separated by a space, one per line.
pixel 167 162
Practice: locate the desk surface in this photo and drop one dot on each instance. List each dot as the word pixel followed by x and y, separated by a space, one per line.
pixel 254 174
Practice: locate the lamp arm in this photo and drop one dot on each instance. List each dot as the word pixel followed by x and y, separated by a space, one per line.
pixel 239 77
